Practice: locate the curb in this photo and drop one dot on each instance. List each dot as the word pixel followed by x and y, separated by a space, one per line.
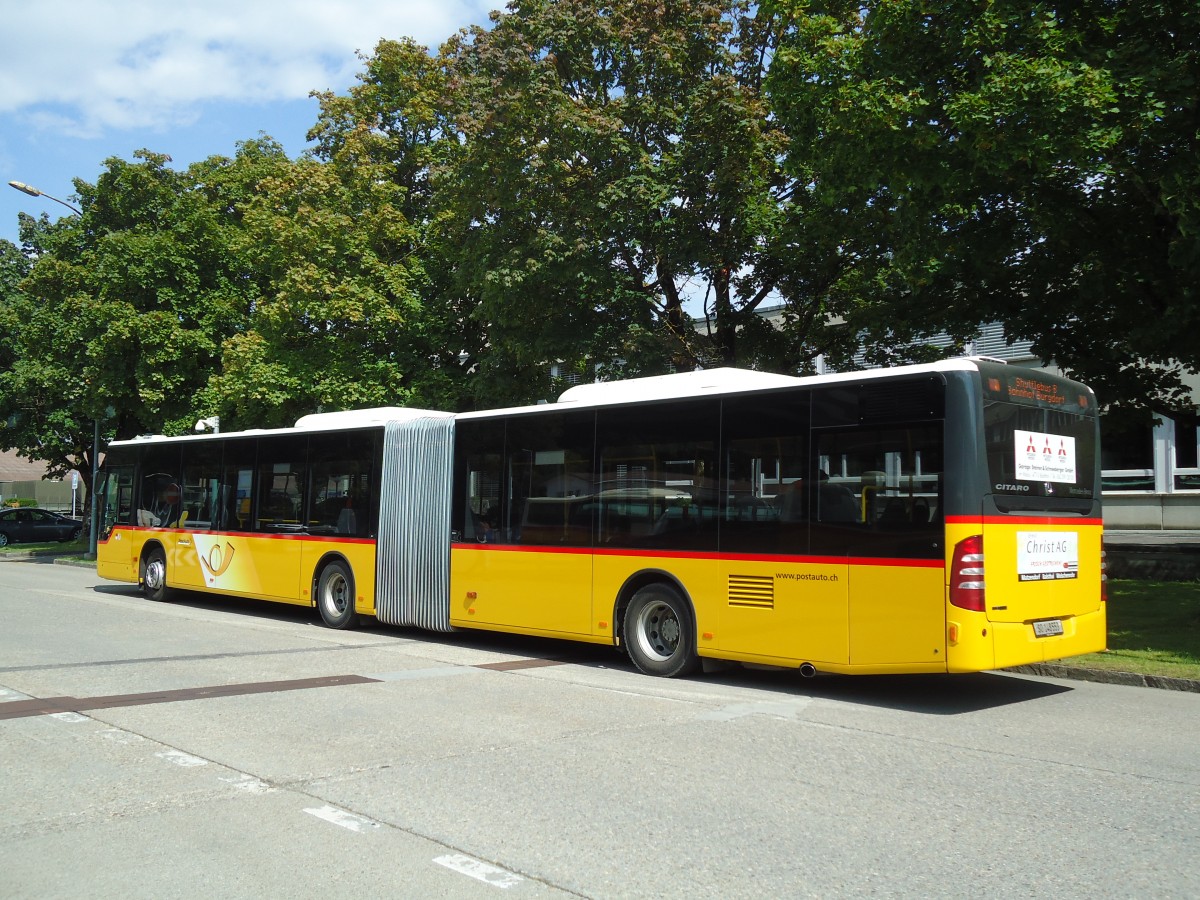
pixel 58 559
pixel 1105 676
pixel 76 561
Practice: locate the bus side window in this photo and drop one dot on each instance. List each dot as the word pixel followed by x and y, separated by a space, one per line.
pixel 340 483
pixel 548 461
pixel 201 484
pixel 478 515
pixel 237 485
pixel 281 474
pixel 659 479
pixel 765 497
pixel 160 497
pixel 880 490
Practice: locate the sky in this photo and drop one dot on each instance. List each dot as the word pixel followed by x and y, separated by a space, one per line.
pixel 85 80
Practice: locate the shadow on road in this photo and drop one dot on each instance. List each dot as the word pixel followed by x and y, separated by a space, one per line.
pixel 943 695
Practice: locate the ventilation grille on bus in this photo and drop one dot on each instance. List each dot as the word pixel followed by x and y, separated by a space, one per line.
pixel 755 591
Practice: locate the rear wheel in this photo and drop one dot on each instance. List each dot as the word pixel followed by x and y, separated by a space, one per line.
pixel 659 633
pixel 3 539
pixel 154 576
pixel 335 596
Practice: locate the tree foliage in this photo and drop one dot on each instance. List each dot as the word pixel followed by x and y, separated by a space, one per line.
pixel 1030 163
pixel 123 309
pixel 620 163
pixel 385 144
pixel 569 184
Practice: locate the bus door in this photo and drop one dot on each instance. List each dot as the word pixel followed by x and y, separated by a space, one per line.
pixel 525 557
pixel 781 599
pixel 115 499
pixel 879 503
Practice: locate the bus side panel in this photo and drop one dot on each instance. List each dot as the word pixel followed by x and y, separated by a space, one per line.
pixel 535 589
pixel 696 575
pixel 266 567
pixel 791 611
pixel 897 614
pixel 116 557
pixel 359 554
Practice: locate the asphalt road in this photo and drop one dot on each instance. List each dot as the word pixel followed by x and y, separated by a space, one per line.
pixel 212 748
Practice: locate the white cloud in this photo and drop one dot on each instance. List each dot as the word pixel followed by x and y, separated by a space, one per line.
pixel 84 66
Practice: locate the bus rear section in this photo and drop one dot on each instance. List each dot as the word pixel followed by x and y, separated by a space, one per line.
pixel 1025 572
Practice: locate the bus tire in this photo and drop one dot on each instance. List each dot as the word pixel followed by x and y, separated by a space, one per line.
pixel 154 575
pixel 335 595
pixel 659 633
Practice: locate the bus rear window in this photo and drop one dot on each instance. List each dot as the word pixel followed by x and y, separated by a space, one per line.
pixel 1035 452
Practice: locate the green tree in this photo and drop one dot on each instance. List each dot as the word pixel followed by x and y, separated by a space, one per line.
pixel 1023 162
pixel 621 167
pixel 392 145
pixel 42 413
pixel 581 177
pixel 336 323
pixel 124 309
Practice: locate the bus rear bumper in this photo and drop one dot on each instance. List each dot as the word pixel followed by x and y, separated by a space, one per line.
pixel 1019 643
pixel 976 645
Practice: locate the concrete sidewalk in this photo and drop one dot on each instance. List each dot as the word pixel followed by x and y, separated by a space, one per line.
pixel 1153 555
pixel 1144 538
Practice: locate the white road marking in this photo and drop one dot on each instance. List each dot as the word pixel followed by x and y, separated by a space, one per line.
pixel 343 819
pixel 7 695
pixel 180 758
pixel 248 783
pixel 120 736
pixel 481 871
pixel 69 717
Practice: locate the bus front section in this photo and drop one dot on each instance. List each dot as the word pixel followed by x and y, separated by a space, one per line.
pixel 1025 564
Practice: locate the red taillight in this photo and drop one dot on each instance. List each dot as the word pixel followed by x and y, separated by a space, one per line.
pixel 966 574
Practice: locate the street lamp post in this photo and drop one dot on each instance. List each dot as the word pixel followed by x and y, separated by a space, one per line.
pixel 35 192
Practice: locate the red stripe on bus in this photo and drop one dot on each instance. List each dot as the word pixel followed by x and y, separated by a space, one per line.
pixel 715 557
pixel 1024 520
pixel 272 536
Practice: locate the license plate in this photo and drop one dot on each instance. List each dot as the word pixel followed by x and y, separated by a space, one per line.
pixel 1049 628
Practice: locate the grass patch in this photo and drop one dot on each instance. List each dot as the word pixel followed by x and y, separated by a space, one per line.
pixel 1153 629
pixel 51 546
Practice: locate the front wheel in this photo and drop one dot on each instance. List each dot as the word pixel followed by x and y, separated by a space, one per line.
pixel 3 539
pixel 335 596
pixel 154 576
pixel 659 633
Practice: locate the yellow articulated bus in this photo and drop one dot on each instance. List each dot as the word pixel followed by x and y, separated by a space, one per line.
pixel 932 518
